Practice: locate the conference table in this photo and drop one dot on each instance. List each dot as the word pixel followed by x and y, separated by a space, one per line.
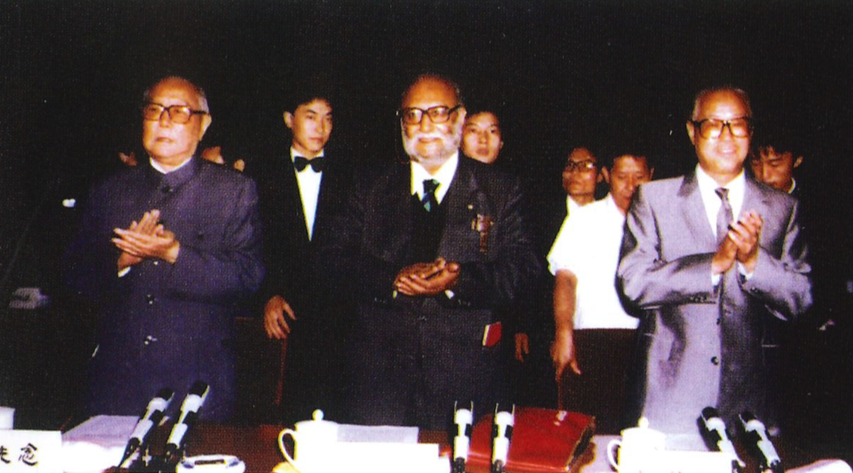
pixel 257 446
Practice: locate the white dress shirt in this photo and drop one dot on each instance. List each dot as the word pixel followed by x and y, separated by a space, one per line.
pixel 571 205
pixel 708 190
pixel 444 176
pixel 588 245
pixel 309 189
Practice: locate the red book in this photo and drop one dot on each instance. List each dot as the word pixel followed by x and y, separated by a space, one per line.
pixel 543 441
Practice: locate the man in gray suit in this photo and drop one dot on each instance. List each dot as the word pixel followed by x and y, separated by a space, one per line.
pixel 710 257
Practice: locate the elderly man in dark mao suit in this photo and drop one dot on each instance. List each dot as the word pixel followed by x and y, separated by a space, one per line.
pixel 711 256
pixel 164 250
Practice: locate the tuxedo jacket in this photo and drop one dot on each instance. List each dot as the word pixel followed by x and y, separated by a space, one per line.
pixel 295 271
pixel 289 255
pixel 702 345
pixel 419 354
pixel 168 325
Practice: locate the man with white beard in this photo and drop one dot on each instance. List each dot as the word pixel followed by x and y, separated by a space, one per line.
pixel 431 248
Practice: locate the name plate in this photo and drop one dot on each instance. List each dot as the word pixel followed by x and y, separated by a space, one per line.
pixel 30 451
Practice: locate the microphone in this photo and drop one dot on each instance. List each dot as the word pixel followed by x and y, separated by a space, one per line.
pixel 501 436
pixel 189 414
pixel 150 418
pixel 756 435
pixel 463 418
pixel 717 428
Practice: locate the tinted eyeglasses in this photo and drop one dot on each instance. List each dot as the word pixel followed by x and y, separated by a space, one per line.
pixel 414 116
pixel 740 127
pixel 583 166
pixel 179 114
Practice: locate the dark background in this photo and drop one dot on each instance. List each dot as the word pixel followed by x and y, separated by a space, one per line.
pixel 560 74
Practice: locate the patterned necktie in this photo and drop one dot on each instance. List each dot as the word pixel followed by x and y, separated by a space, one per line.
pixel 300 163
pixel 428 200
pixel 724 216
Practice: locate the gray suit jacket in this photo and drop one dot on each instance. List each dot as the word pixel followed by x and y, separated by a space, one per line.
pixel 702 344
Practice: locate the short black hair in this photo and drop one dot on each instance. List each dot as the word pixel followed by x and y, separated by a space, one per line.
pixel 306 92
pixel 782 136
pixel 620 144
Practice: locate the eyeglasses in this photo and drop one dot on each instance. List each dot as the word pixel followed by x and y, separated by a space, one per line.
pixel 179 114
pixel 740 127
pixel 583 166
pixel 414 116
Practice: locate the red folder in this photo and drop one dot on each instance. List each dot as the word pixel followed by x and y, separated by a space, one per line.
pixel 543 441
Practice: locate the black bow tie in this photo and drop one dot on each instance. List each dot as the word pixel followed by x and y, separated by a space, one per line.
pixel 301 163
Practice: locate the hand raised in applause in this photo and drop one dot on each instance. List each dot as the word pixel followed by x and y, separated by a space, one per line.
pixel 741 244
pixel 427 279
pixel 146 225
pixel 147 239
pixel 275 322
pixel 746 235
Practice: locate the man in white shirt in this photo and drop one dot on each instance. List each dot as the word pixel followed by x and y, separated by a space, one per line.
pixel 593 331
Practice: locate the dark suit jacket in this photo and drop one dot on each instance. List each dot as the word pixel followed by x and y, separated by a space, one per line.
pixel 165 325
pixel 295 273
pixel 418 355
pixel 704 343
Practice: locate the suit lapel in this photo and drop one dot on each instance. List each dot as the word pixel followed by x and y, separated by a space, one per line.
pixel 392 213
pixel 331 199
pixel 692 209
pixel 754 198
pixel 464 201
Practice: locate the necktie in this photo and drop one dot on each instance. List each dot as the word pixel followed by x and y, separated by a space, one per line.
pixel 724 216
pixel 300 163
pixel 428 200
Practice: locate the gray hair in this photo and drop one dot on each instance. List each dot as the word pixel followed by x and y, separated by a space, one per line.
pixel 702 94
pixel 200 94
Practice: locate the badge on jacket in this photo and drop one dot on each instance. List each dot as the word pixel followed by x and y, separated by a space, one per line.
pixel 483 225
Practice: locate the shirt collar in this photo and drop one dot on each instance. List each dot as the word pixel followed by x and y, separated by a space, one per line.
pixel 705 181
pixel 159 168
pixel 444 176
pixel 708 187
pixel 294 154
pixel 611 205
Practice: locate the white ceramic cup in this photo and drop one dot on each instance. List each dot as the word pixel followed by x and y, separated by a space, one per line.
pixel 637 448
pixel 7 418
pixel 314 442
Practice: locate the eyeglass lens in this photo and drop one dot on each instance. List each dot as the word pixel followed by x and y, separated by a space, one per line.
pixel 711 128
pixel 439 114
pixel 585 165
pixel 177 113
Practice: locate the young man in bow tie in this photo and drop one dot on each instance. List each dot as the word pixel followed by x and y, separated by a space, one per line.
pixel 301 189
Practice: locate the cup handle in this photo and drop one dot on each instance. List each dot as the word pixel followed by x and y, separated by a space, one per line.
pixel 292 433
pixel 611 457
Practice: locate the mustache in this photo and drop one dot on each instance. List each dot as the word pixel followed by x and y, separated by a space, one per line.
pixel 431 135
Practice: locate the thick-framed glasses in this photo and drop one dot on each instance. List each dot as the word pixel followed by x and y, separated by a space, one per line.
pixel 179 114
pixel 582 166
pixel 414 116
pixel 740 127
